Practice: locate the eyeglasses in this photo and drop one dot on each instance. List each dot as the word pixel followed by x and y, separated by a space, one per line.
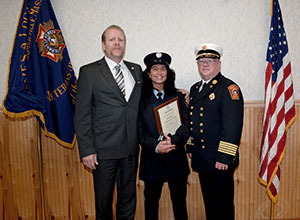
pixel 207 61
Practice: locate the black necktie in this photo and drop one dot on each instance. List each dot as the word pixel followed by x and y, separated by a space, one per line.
pixel 202 86
pixel 159 95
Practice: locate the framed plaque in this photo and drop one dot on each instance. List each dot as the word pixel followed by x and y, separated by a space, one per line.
pixel 168 116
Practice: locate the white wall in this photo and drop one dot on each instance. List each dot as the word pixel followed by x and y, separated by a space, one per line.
pixel 241 27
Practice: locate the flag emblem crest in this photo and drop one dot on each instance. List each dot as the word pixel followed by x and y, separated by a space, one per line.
pixel 50 41
pixel 41 80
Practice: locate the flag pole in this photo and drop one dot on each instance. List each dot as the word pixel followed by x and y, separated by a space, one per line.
pixel 272 211
pixel 271 8
pixel 40 169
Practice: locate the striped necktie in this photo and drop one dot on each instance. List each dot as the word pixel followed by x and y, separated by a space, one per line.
pixel 120 79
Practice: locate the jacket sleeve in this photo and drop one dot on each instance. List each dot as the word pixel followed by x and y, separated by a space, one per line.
pixel 83 115
pixel 146 139
pixel 232 109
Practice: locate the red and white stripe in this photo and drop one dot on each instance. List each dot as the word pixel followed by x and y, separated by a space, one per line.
pixel 279 114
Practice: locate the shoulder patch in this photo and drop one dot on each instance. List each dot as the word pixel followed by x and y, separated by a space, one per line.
pixel 234 92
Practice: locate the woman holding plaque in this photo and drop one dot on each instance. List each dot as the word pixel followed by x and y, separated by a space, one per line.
pixel 162 137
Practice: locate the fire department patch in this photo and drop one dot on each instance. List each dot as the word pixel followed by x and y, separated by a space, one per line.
pixel 50 41
pixel 234 92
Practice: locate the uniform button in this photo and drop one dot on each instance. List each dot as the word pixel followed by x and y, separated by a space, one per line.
pixel 193 144
pixel 202 141
pixel 191 129
pixel 201 124
pixel 201 114
pixel 201 130
pixel 191 122
pixel 201 108
pixel 192 107
pixel 191 113
pixel 203 147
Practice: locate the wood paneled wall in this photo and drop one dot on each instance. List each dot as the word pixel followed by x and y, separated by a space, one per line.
pixel 63 188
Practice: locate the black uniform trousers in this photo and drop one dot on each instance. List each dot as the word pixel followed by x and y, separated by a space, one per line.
pixel 218 194
pixel 152 193
pixel 106 174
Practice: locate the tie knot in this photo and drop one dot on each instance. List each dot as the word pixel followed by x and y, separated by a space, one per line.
pixel 159 95
pixel 118 67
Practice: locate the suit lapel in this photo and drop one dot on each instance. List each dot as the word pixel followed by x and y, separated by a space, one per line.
pixel 107 74
pixel 136 77
pixel 199 95
pixel 132 71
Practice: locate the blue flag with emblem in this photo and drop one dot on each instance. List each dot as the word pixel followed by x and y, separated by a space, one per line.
pixel 41 80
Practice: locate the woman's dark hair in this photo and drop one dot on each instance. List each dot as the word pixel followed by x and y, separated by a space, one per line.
pixel 169 85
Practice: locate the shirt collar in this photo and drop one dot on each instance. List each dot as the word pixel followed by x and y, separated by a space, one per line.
pixel 206 81
pixel 155 93
pixel 111 64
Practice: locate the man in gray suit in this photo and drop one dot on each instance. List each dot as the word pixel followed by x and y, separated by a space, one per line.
pixel 106 125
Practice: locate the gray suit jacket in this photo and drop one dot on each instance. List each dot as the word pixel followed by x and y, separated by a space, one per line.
pixel 105 123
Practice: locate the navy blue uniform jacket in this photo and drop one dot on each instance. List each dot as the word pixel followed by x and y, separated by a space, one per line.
pixel 216 121
pixel 155 166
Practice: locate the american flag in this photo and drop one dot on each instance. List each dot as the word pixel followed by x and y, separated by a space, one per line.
pixel 279 112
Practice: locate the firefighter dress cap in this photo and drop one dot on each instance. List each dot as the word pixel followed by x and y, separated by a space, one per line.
pixel 208 50
pixel 157 58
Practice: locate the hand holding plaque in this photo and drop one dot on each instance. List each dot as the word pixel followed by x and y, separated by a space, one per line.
pixel 168 116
